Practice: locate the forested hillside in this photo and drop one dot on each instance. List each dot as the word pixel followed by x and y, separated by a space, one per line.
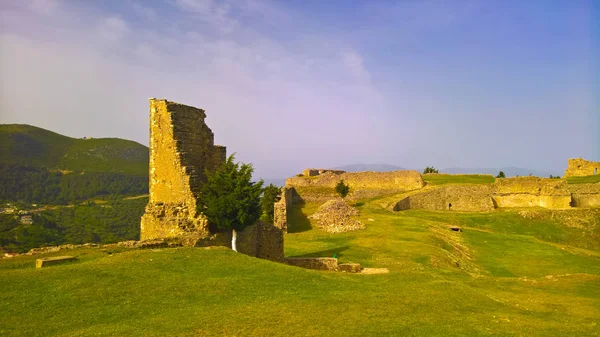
pixel 40 166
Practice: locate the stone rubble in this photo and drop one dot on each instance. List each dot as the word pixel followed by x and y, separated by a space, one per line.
pixel 335 216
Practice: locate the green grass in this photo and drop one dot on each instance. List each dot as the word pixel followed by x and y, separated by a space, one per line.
pixel 503 275
pixel 584 179
pixel 440 179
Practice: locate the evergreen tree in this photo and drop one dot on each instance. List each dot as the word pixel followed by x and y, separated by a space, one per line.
pixel 229 199
pixel 430 169
pixel 342 189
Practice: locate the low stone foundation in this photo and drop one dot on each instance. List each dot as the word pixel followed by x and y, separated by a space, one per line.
pixel 318 263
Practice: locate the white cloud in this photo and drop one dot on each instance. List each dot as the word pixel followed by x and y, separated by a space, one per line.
pixel 93 76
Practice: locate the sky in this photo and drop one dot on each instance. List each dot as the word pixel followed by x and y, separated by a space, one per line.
pixel 293 84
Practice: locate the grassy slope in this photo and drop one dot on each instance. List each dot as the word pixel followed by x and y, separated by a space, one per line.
pixel 503 274
pixel 29 145
pixel 584 179
pixel 440 179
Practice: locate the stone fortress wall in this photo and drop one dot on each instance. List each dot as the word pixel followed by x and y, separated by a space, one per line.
pixel 181 149
pixel 362 184
pixel 582 167
pixel 504 192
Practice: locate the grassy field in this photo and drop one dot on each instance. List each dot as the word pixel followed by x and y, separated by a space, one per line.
pixel 440 179
pixel 584 179
pixel 507 273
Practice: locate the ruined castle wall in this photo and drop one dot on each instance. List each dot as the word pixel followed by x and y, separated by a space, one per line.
pixel 585 195
pixel 181 149
pixel 467 198
pixel 582 167
pixel 531 192
pixel 377 182
pixel 287 200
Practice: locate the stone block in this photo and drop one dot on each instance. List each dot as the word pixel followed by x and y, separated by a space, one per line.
pixel 349 267
pixel 49 261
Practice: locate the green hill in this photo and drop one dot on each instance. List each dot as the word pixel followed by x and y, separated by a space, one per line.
pixel 506 273
pixel 41 166
pixel 32 146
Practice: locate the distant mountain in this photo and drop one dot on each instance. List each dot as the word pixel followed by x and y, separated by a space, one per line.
pixel 32 146
pixel 41 166
pixel 508 171
pixel 369 167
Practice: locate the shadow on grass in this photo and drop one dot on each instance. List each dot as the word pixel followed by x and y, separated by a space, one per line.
pixel 297 220
pixel 325 253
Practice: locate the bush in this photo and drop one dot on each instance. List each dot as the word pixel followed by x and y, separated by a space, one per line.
pixel 501 175
pixel 342 189
pixel 430 169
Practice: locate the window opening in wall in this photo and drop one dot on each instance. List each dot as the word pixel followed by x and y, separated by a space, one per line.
pixel 595 170
pixel 450 206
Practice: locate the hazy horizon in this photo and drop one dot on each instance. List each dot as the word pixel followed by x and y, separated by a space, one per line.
pixel 288 85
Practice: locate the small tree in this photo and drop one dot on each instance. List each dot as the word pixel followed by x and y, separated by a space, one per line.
pixel 501 175
pixel 342 189
pixel 229 199
pixel 270 195
pixel 430 169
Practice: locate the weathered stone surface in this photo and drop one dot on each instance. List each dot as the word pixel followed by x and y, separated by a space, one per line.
pixel 349 267
pixel 531 192
pixel 335 216
pixel 319 263
pixel 181 149
pixel 397 180
pixel 582 167
pixel 467 198
pixel 49 261
pixel 585 195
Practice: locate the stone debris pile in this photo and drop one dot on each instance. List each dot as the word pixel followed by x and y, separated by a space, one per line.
pixel 335 216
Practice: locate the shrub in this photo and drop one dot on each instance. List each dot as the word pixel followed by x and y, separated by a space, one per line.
pixel 501 175
pixel 342 189
pixel 430 169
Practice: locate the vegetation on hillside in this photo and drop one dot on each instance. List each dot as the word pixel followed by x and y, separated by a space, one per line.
pixel 584 179
pixel 501 175
pixel 113 221
pixel 30 184
pixel 440 179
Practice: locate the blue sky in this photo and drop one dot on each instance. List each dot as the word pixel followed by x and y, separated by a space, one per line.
pixel 294 84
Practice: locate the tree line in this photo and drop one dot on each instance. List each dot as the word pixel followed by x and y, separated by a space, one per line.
pixel 30 184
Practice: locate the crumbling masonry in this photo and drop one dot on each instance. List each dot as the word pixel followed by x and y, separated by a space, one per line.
pixel 181 149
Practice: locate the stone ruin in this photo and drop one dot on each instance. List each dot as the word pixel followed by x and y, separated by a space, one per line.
pixel 181 149
pixel 582 167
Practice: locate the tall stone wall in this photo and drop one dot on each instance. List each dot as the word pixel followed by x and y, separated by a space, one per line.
pixel 281 208
pixel 582 167
pixel 181 148
pixel 364 184
pixel 585 195
pixel 530 192
pixel 464 198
